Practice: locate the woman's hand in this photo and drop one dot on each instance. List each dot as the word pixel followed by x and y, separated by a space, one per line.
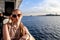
pixel 25 37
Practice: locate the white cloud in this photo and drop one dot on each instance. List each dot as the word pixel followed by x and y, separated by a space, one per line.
pixel 47 6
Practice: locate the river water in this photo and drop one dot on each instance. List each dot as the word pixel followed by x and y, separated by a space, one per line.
pixel 43 27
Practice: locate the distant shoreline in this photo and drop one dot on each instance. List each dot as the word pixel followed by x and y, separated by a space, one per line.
pixel 40 15
pixel 46 15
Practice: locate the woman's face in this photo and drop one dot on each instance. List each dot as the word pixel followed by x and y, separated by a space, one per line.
pixel 16 16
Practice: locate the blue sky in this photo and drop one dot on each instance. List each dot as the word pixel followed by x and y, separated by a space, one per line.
pixel 40 7
pixel 26 4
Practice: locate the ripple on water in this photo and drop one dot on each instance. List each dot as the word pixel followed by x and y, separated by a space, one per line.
pixel 43 28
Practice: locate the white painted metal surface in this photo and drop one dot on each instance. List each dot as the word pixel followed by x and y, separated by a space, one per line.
pixel 16 4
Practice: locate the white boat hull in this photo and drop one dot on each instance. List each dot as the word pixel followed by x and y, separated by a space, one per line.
pixel 31 37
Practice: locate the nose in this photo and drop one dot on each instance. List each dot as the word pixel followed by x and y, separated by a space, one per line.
pixel 17 17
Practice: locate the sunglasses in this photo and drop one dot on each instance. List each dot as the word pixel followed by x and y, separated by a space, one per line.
pixel 15 15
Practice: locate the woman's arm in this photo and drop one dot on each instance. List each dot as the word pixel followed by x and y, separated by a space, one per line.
pixel 6 35
pixel 27 36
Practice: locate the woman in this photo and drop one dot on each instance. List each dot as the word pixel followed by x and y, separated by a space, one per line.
pixel 15 30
